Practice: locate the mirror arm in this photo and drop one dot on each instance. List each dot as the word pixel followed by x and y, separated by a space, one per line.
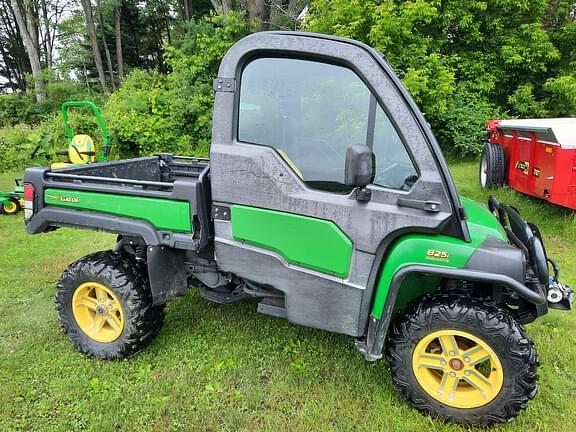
pixel 363 194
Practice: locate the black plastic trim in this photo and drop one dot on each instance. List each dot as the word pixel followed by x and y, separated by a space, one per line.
pixel 56 217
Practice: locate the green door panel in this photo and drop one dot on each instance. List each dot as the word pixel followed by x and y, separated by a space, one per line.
pixel 309 242
pixel 436 250
pixel 164 214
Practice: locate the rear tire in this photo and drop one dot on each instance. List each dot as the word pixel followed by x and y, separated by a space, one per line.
pixel 12 209
pixel 492 172
pixel 462 360
pixel 105 306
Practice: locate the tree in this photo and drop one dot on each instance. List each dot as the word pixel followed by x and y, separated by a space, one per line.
pixel 106 50
pixel 118 38
pixel 14 61
pixel 52 13
pixel 26 16
pixel 87 7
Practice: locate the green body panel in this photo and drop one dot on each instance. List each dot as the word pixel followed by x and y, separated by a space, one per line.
pixel 301 240
pixel 168 215
pixel 447 251
pixel 103 155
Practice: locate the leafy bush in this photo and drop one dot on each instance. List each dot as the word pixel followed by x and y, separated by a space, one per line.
pixel 153 112
pixel 16 145
pixel 462 127
pixel 465 61
pixel 19 108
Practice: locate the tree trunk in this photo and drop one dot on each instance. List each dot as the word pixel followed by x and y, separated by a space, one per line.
pixel 257 11
pixel 186 10
pixel 106 51
pixel 31 10
pixel 294 8
pixel 222 6
pixel 118 36
pixel 31 48
pixel 46 40
pixel 87 7
pixel 276 12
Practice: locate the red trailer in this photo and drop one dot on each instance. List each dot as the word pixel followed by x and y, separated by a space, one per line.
pixel 534 156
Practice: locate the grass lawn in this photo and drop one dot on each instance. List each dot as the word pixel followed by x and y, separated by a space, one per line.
pixel 219 367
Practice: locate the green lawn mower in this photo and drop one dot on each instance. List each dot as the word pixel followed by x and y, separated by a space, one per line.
pixel 80 150
pixel 12 202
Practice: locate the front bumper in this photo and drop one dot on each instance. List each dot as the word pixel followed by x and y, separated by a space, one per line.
pixel 526 236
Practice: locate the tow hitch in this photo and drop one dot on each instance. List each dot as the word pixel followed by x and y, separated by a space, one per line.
pixel 560 296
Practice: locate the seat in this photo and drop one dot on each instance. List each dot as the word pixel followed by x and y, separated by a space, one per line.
pixel 81 150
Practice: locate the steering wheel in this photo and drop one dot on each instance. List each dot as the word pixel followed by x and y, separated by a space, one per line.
pixel 395 175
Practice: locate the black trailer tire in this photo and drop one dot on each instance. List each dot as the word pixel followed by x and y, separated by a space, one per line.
pixel 492 172
pixel 484 389
pixel 124 313
pixel 13 209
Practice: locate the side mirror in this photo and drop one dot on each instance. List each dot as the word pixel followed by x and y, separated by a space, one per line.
pixel 358 170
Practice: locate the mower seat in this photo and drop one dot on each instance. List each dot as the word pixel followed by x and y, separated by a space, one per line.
pixel 81 150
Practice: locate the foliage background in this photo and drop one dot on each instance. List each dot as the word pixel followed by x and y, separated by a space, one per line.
pixel 463 61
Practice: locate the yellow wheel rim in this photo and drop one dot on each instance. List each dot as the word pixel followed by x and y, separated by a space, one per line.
pixel 10 207
pixel 457 369
pixel 98 312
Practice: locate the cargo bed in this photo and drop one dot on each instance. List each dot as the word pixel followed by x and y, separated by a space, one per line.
pixel 164 199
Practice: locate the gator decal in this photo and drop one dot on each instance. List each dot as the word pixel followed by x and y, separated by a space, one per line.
pixel 168 215
pixel 305 241
pixel 63 198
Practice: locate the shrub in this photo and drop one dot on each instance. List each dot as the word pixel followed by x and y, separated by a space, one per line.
pixel 173 113
pixel 17 108
pixel 461 128
pixel 16 145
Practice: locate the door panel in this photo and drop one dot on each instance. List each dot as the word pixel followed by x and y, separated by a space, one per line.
pixel 261 174
pixel 304 241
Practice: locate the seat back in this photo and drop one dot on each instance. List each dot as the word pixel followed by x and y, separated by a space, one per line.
pixel 81 150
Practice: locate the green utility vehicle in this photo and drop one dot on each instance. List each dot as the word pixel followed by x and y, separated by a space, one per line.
pixel 327 198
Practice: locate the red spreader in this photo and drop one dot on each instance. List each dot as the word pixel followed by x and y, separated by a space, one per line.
pixel 534 156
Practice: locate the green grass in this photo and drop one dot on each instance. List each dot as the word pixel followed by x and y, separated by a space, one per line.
pixel 219 367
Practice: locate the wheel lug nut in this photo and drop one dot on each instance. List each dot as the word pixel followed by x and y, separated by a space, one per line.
pixel 452 353
pixel 452 374
pixel 443 362
pixel 467 373
pixel 467 359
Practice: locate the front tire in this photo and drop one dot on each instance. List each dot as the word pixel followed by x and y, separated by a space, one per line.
pixel 462 360
pixel 105 306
